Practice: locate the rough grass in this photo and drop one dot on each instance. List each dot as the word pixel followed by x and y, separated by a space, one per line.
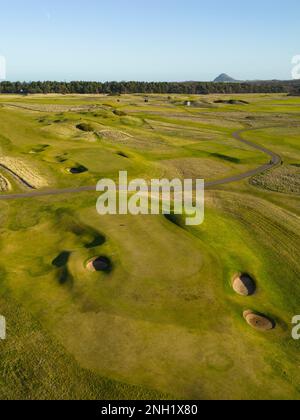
pixel 192 168
pixel 29 174
pixel 113 135
pixel 4 184
pixel 285 179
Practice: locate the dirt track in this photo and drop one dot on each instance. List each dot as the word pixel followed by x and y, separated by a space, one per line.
pixel 274 161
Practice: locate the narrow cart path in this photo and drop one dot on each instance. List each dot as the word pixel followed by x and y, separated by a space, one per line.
pixel 274 160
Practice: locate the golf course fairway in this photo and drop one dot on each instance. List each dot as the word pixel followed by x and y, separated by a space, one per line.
pixel 145 307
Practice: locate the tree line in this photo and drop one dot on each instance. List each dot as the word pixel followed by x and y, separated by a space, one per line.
pixel 119 88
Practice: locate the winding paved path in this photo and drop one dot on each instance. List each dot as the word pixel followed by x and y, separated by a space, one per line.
pixel 274 161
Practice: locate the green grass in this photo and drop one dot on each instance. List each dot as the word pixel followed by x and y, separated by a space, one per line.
pixel 165 321
pixel 35 366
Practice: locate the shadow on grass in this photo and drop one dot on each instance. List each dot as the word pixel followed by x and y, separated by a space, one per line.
pixel 62 259
pixel 103 264
pixel 60 262
pixel 80 169
pixel 97 241
pixel 225 157
pixel 175 219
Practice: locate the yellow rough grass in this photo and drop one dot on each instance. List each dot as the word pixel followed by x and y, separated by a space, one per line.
pixel 114 135
pixel 4 184
pixel 24 171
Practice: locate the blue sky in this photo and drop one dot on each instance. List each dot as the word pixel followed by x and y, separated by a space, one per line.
pixel 148 39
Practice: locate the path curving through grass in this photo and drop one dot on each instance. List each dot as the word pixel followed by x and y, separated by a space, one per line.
pixel 275 160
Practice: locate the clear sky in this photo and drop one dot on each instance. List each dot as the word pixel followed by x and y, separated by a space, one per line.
pixel 149 39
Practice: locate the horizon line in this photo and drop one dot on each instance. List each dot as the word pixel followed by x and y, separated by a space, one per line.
pixel 145 81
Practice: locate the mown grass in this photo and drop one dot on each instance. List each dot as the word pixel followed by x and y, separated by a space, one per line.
pixel 35 366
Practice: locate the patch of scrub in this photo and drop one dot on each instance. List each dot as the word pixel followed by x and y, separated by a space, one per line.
pixel 23 172
pixel 285 179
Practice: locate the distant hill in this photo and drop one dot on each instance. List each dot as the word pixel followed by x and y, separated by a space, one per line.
pixel 224 78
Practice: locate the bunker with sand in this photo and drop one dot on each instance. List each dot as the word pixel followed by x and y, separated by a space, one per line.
pixel 258 321
pixel 99 264
pixel 76 170
pixel 243 285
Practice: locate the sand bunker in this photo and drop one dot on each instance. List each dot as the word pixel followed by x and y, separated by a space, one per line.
pixel 99 264
pixel 24 173
pixel 78 170
pixel 259 322
pixel 243 285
